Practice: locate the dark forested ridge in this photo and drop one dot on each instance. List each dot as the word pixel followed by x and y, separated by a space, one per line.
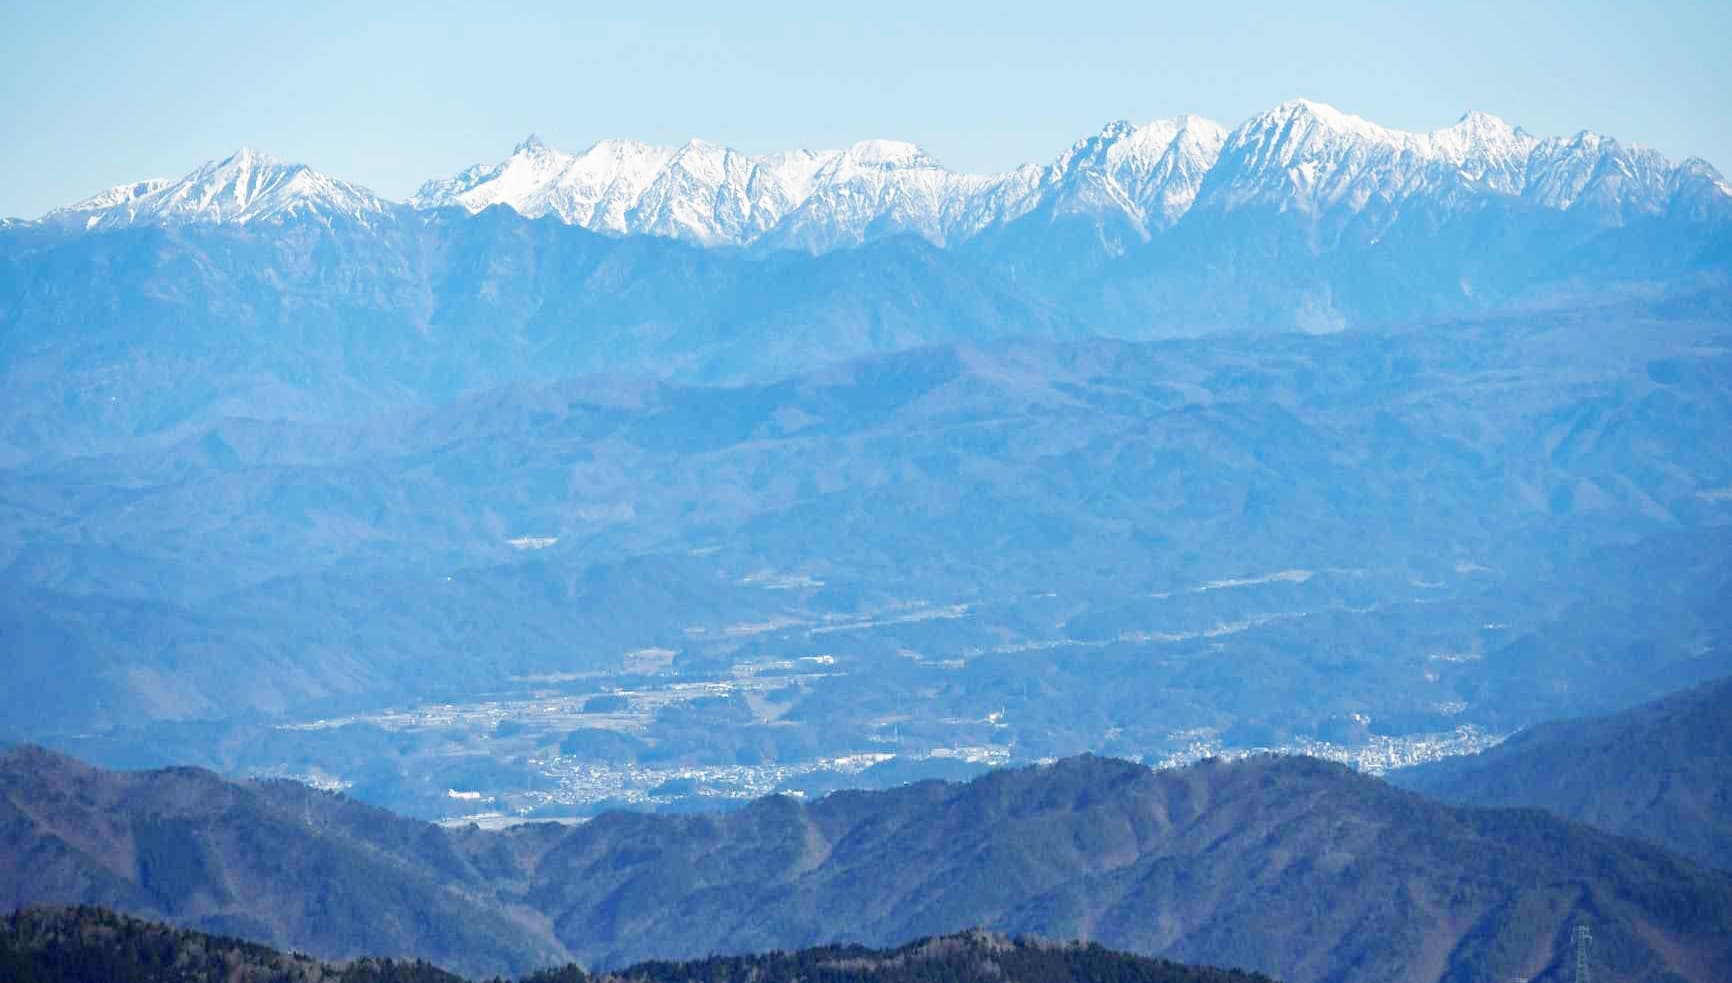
pixel 85 944
pixel 972 957
pixel 1661 772
pixel 1288 866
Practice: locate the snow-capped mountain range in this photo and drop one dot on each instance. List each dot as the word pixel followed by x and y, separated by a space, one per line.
pixel 1302 158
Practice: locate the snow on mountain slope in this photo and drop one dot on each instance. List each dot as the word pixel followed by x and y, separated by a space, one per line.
pixel 822 200
pixel 1698 191
pixel 595 189
pixel 118 200
pixel 245 187
pixel 700 192
pixel 1302 158
pixel 1311 158
pixel 1151 173
pixel 872 189
pixel 1598 173
pixel 1336 169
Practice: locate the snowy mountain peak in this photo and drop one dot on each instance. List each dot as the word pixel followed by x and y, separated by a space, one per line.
pixel 1310 124
pixel 1697 168
pixel 1484 129
pixel 1480 121
pixel 890 153
pixel 1308 112
pixel 1118 129
pixel 619 148
pixel 1599 175
pixel 245 156
pixel 245 186
pixel 1146 174
pixel 530 144
pixel 1309 157
pixel 1698 190
pixel 1202 125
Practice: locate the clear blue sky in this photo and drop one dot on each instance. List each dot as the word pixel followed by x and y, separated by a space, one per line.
pixel 388 94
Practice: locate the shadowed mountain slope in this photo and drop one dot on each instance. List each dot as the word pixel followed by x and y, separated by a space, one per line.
pixel 1661 772
pixel 1283 865
pixel 277 863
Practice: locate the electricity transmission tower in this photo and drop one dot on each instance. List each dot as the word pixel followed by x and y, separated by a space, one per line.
pixel 1583 939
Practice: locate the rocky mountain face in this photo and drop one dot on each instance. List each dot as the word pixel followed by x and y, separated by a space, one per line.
pixel 1288 866
pixel 1661 771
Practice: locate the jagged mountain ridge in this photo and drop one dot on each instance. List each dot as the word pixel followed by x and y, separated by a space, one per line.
pixel 1301 157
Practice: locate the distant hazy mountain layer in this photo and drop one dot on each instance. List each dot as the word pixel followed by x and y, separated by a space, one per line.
pixel 1288 866
pixel 1253 540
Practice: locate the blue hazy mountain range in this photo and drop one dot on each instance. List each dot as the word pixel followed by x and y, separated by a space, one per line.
pixel 1305 434
pixel 976 553
pixel 257 288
